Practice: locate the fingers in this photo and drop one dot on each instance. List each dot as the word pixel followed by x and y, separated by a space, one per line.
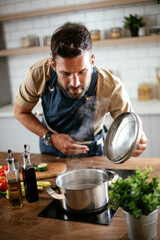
pixel 142 143
pixel 143 138
pixel 141 146
pixel 140 149
pixel 72 148
pixel 137 153
pixel 65 144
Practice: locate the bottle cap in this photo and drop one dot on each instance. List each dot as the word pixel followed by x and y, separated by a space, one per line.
pixel 10 158
pixel 26 148
pixel 26 151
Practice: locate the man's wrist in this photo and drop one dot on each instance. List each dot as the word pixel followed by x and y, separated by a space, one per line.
pixel 47 138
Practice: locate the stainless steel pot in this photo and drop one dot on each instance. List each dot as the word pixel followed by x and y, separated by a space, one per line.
pixel 84 190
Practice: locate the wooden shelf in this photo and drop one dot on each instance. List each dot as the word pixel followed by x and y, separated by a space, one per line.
pixel 79 7
pixel 127 41
pixel 101 43
pixel 20 51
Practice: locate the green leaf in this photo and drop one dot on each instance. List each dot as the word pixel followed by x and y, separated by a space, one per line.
pixel 3 192
pixel 133 21
pixel 136 194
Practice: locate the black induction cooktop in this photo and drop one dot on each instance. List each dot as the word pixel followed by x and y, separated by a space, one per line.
pixel 103 217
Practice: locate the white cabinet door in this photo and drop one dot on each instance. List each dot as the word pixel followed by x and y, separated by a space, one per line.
pixel 151 126
pixel 13 135
pixel 155 135
pixel 146 126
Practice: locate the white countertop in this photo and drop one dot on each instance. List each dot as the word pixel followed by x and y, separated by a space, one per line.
pixel 7 111
pixel 147 107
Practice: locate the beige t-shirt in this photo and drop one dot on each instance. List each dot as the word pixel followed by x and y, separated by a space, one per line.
pixel 111 95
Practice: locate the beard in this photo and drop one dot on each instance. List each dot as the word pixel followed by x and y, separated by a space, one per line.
pixel 75 93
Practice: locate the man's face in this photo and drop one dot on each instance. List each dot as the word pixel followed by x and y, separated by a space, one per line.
pixel 74 74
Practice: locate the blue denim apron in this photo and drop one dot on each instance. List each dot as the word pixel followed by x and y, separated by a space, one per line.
pixel 74 117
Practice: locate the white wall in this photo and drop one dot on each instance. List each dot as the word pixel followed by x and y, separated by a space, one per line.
pixel 134 64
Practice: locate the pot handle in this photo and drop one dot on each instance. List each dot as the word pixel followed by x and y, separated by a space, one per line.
pixel 114 179
pixel 54 194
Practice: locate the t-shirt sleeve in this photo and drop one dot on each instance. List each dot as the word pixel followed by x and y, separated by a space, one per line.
pixel 120 101
pixel 34 84
pixel 111 95
pixel 27 97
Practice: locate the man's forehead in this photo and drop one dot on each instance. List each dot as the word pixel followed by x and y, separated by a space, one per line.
pixel 73 64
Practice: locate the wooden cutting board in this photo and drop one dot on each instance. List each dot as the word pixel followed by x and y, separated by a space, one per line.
pixel 53 170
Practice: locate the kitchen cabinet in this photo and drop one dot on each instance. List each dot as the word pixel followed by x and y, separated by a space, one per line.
pixel 151 126
pixel 5 84
pixel 4 75
pixel 14 135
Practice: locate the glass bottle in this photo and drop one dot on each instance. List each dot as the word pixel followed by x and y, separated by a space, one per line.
pixel 29 177
pixel 13 183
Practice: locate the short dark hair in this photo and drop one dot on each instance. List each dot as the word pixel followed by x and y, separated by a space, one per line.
pixel 70 41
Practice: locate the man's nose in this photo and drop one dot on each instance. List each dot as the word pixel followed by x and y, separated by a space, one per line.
pixel 75 81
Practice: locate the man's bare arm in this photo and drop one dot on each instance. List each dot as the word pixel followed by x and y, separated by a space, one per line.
pixel 63 142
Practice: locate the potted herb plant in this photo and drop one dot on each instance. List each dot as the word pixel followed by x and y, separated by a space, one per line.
pixel 139 197
pixel 133 23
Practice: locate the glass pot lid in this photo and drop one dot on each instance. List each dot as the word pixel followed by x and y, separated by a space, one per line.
pixel 123 137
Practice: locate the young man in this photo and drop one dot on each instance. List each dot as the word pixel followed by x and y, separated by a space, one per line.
pixel 75 97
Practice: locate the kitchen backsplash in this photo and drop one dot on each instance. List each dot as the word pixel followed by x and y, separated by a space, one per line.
pixel 134 64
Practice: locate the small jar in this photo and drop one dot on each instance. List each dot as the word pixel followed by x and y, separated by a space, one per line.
pixel 30 41
pixel 115 32
pixel 95 35
pixel 144 92
pixel 47 40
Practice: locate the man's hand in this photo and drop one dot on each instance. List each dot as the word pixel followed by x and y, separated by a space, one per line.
pixel 141 146
pixel 65 144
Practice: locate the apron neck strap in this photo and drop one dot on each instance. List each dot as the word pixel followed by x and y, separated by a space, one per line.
pixel 93 83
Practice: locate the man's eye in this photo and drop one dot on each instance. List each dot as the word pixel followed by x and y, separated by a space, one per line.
pixel 66 74
pixel 82 72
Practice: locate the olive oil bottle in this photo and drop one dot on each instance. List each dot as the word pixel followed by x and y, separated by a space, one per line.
pixel 13 183
pixel 29 177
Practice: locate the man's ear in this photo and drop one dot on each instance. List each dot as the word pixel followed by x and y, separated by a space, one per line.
pixel 53 64
pixel 93 59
